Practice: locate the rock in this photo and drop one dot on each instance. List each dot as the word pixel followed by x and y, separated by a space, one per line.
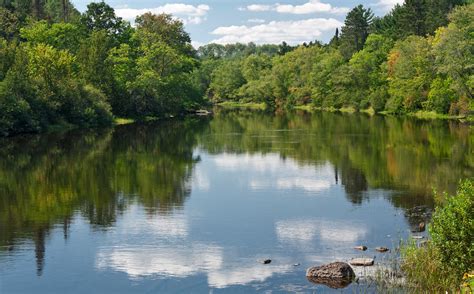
pixel 203 112
pixel 382 249
pixel 331 283
pixel 296 264
pixel 417 237
pixel 362 261
pixel 362 248
pixel 422 227
pixel 266 261
pixel 335 275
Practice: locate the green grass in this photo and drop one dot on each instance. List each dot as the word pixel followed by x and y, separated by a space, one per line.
pixel 370 111
pixel 424 270
pixel 433 115
pixel 307 107
pixel 251 105
pixel 123 121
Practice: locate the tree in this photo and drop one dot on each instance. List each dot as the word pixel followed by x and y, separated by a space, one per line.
pixel 92 60
pixel 101 17
pixel 170 30
pixel 9 24
pixel 355 30
pixel 226 81
pixel 59 35
pixel 453 48
pixel 335 41
pixel 410 73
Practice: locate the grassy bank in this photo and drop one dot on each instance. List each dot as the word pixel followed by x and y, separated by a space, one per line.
pixel 123 121
pixel 427 115
pixel 249 105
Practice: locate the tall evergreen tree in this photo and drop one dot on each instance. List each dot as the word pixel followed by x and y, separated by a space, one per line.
pixel 355 30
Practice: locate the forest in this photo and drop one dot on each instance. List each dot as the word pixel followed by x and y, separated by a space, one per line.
pixel 60 67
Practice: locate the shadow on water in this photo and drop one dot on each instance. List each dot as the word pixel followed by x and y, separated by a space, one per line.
pixel 46 179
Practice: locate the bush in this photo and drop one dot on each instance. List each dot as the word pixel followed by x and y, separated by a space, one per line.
pixel 424 269
pixel 452 230
pixel 440 265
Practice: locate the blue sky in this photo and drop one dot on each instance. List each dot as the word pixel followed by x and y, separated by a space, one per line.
pixel 264 21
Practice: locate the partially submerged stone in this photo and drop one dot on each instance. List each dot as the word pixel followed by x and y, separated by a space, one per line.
pixel 266 261
pixel 362 248
pixel 335 275
pixel 362 261
pixel 382 249
pixel 422 227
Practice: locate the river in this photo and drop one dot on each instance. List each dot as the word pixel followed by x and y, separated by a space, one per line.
pixel 194 205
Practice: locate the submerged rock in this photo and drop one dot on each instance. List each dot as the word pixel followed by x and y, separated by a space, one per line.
pixel 362 248
pixel 382 249
pixel 335 275
pixel 364 261
pixel 265 261
pixel 422 227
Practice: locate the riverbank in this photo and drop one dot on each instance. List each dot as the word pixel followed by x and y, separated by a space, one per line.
pixel 427 115
pixel 248 105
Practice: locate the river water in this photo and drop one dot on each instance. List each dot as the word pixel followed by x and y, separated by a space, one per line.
pixel 193 205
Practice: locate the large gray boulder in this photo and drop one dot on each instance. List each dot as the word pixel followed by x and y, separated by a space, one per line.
pixel 336 275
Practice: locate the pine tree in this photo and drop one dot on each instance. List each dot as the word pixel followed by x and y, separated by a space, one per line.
pixel 355 30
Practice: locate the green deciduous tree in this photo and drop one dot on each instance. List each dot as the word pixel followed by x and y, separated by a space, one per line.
pixel 410 73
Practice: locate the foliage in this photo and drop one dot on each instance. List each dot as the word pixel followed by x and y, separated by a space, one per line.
pixel 452 230
pixel 424 269
pixel 362 68
pixel 441 264
pixel 355 30
pixel 62 68
pixel 410 73
pixel 101 64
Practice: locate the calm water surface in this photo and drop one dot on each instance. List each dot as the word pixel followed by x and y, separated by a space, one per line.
pixel 191 206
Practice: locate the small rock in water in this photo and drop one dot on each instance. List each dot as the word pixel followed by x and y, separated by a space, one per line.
pixel 362 261
pixel 382 249
pixel 362 248
pixel 417 237
pixel 296 264
pixel 422 227
pixel 266 261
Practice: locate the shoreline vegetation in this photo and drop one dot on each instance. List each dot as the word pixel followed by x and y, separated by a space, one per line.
pixel 62 68
pixel 445 262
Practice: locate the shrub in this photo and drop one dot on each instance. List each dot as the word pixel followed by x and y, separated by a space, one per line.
pixel 452 230
pixel 440 265
pixel 424 269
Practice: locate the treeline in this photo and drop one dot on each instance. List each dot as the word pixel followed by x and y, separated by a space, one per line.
pixel 420 56
pixel 58 66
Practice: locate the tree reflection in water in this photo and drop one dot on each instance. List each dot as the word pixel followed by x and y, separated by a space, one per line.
pixel 45 180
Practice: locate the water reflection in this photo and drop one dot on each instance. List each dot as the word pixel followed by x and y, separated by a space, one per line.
pixel 271 170
pixel 209 197
pixel 332 233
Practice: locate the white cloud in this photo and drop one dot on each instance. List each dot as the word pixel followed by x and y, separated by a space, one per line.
pixel 258 7
pixel 256 20
pixel 387 5
pixel 312 6
pixel 189 14
pixel 275 32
